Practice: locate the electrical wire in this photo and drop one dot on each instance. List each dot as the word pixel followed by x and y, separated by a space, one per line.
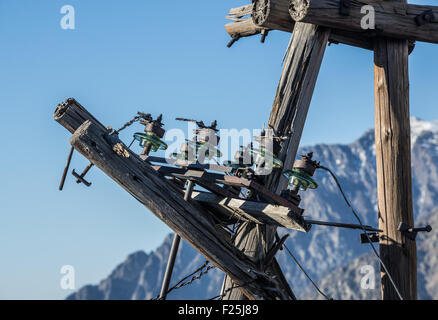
pixel 306 274
pixel 221 296
pixel 363 228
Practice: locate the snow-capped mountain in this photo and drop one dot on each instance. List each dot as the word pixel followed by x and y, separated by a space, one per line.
pixel 323 250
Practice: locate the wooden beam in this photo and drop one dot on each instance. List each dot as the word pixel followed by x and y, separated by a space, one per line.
pixel 301 67
pixel 393 156
pixel 274 15
pixel 243 28
pixel 240 12
pixel 257 212
pixel 104 149
pixel 392 18
pixel 295 90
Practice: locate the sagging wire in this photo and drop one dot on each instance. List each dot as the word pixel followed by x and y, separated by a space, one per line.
pixel 221 296
pixel 305 273
pixel 363 228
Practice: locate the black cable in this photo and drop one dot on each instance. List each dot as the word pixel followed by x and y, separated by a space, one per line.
pixel 221 296
pixel 306 274
pixel 363 228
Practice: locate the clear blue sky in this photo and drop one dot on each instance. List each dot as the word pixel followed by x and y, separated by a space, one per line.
pixel 125 56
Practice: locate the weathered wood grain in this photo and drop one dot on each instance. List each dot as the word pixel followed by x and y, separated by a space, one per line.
pixel 393 18
pixel 257 212
pixel 240 12
pixel 243 28
pixel 294 92
pixel 71 114
pixel 301 67
pixel 393 158
pixel 274 15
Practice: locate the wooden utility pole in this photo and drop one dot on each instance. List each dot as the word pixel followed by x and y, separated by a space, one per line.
pixel 187 218
pixel 301 67
pixel 397 26
pixel 393 156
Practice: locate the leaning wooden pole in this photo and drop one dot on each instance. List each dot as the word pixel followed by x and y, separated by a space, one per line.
pixel 294 93
pixel 393 156
pixel 104 149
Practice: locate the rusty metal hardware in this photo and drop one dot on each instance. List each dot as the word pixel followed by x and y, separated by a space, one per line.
pixel 374 237
pixel 426 17
pixel 264 34
pixel 344 7
pixel 80 178
pixel 342 225
pixel 203 145
pixel 150 140
pixel 243 158
pixel 300 177
pixel 84 173
pixel 269 148
pixel 201 124
pixel 410 232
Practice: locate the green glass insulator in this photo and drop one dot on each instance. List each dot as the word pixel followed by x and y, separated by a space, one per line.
pixel 298 177
pixel 199 147
pixel 156 143
pixel 276 163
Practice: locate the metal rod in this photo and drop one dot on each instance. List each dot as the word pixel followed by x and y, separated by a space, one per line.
pixel 174 250
pixel 343 225
pixel 83 174
pixel 80 178
pixel 146 149
pixel 129 147
pixel 67 166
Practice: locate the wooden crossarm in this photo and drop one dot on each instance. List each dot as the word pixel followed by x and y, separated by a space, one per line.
pixel 258 212
pixel 392 18
pixel 104 149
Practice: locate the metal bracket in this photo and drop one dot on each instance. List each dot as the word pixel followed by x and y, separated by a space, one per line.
pixel 374 237
pixel 234 38
pixel 264 33
pixel 344 7
pixel 81 178
pixel 410 232
pixel 278 246
pixel 426 17
pixel 83 174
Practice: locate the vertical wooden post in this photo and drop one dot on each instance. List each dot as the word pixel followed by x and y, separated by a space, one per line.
pixel 294 93
pixel 393 156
